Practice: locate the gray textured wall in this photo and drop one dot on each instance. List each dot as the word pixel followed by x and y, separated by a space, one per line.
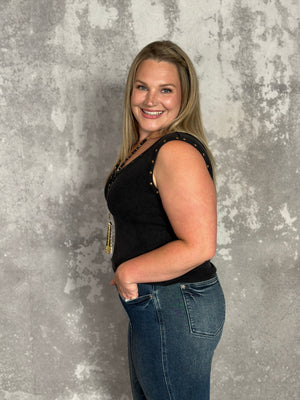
pixel 62 69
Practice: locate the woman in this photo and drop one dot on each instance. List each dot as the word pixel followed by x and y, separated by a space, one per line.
pixel 162 197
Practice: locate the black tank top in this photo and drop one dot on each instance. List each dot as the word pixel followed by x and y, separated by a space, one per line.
pixel 141 224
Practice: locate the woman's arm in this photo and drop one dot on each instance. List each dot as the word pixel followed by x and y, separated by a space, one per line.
pixel 189 198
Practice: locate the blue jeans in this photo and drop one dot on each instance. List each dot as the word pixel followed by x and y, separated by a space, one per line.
pixel 173 332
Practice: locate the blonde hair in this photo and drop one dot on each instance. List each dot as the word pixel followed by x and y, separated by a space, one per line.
pixel 189 117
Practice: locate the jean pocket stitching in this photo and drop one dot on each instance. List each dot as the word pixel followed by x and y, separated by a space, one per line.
pixel 202 285
pixel 189 311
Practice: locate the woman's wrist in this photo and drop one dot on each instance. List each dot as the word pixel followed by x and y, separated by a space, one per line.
pixel 123 272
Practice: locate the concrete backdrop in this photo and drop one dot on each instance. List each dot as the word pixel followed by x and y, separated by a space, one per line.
pixel 63 65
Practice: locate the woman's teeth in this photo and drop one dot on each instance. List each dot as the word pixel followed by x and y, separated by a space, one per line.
pixel 152 112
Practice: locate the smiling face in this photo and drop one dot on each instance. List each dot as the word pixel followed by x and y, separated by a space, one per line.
pixel 156 96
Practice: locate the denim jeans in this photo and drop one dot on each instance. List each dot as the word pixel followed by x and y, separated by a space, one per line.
pixel 173 332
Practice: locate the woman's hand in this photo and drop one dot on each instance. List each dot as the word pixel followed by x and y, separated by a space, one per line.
pixel 127 290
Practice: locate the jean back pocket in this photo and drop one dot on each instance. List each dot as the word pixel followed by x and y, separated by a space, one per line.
pixel 205 307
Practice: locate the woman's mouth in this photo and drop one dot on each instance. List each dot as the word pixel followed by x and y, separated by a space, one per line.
pixel 151 114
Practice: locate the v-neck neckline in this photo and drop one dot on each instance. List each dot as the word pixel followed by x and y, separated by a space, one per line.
pixel 139 156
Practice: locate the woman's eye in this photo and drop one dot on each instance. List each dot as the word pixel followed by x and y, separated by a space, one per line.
pixel 141 87
pixel 166 90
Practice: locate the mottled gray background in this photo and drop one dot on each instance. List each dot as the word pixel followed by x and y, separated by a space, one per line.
pixel 63 65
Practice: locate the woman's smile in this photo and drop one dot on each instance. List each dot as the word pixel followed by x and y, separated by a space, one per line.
pixel 151 114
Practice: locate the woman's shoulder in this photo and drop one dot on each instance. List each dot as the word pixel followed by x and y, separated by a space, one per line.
pixel 175 143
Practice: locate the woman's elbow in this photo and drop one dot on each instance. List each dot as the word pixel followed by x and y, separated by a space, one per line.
pixel 204 251
pixel 210 252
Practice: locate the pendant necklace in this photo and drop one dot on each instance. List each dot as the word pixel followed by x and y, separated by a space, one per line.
pixel 109 244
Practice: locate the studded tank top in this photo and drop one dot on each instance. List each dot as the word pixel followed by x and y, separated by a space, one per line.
pixel 140 221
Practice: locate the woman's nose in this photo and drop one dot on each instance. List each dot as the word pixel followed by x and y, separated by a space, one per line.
pixel 151 98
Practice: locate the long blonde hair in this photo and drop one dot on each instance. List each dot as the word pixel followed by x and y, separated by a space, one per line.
pixel 189 117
